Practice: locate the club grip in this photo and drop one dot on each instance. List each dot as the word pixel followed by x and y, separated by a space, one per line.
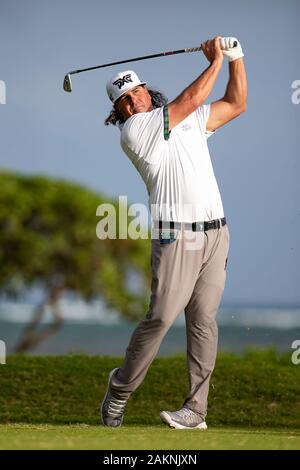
pixel 194 49
pixel 199 48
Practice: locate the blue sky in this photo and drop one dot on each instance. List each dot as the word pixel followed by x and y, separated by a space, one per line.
pixel 256 157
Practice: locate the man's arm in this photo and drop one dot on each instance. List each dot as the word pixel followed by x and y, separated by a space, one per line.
pixel 234 101
pixel 197 93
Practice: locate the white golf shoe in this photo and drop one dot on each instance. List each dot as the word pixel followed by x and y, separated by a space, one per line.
pixel 183 419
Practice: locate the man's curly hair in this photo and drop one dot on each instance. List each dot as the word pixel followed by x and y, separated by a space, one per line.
pixel 157 98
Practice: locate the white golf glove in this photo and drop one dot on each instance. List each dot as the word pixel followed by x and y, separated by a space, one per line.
pixel 229 51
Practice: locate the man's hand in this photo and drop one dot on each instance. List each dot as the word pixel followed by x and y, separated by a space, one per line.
pixel 212 50
pixel 229 51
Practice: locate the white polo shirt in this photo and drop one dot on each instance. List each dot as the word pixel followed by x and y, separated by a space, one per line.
pixel 177 171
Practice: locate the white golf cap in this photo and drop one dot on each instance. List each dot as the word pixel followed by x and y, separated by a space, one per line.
pixel 121 83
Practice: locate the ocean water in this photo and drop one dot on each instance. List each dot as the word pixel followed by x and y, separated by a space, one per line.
pixel 112 340
pixel 90 329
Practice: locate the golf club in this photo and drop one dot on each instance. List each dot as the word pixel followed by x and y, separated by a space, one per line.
pixel 68 82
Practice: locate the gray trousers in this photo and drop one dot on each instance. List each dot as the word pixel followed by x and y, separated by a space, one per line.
pixel 186 276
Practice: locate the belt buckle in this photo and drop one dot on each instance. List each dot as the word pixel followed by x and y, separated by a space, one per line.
pixel 197 226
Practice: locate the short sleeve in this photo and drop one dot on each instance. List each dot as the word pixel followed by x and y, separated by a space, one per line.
pixel 203 113
pixel 142 136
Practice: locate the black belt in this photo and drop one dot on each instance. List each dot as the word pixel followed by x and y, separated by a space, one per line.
pixel 194 226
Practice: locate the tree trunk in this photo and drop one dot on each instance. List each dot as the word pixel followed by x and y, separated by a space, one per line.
pixel 31 337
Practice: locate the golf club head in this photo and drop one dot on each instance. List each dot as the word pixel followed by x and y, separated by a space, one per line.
pixel 67 83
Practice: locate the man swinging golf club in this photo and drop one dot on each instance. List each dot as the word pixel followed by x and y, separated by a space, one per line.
pixel 167 143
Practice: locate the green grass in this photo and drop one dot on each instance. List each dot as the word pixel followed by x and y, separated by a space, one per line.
pixel 22 436
pixel 260 389
pixel 53 402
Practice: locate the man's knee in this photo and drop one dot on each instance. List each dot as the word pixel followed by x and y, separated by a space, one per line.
pixel 203 327
pixel 158 323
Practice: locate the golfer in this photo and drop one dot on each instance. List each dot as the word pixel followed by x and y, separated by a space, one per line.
pixel 167 143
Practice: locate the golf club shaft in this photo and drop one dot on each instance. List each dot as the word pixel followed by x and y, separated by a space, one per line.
pixel 152 56
pixel 67 85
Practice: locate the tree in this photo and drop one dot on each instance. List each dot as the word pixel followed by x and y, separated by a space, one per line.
pixel 48 237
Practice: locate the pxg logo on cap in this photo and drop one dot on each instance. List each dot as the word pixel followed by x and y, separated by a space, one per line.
pixel 121 83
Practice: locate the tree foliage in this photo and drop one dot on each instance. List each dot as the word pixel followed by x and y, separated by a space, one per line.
pixel 48 237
